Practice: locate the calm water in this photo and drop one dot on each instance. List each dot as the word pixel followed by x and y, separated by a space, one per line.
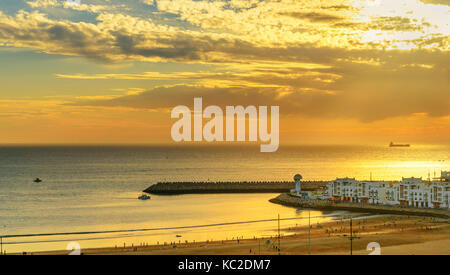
pixel 95 188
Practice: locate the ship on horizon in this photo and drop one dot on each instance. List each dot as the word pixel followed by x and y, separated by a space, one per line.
pixel 392 144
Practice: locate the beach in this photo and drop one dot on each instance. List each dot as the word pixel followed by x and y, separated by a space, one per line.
pixel 405 235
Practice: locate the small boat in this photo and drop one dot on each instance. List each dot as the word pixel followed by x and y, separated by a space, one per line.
pixel 144 197
pixel 37 180
pixel 179 236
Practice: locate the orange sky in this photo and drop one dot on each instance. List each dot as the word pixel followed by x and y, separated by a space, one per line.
pixel 342 71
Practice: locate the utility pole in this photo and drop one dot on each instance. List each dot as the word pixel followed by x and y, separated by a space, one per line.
pixel 351 236
pixel 309 232
pixel 279 242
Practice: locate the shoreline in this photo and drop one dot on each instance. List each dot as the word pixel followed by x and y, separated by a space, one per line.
pixel 396 235
pixel 401 230
pixel 292 201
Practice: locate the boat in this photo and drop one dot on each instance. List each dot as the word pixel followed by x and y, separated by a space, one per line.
pixel 144 197
pixel 179 236
pixel 37 180
pixel 399 145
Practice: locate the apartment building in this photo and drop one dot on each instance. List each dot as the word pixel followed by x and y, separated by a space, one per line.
pixel 410 192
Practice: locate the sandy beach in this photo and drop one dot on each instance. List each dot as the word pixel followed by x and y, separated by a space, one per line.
pixel 395 234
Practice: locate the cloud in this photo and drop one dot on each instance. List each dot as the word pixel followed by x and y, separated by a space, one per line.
pixel 367 94
pixel 365 85
pixel 362 61
pixel 436 2
pixel 396 23
pixel 149 2
pixel 223 31
pixel 163 97
pixel 36 31
pixel 314 16
pixel 38 4
pixel 250 76
pixel 43 3
pixel 337 7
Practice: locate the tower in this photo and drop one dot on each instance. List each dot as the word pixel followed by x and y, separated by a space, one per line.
pixel 298 184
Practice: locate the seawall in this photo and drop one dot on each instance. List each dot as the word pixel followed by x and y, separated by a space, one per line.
pixel 289 200
pixel 173 188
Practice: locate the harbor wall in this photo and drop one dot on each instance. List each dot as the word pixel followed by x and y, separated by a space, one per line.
pixel 289 200
pixel 169 188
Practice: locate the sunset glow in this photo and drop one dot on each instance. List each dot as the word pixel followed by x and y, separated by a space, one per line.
pixel 342 71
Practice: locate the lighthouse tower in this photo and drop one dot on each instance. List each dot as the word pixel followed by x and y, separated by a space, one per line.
pixel 298 184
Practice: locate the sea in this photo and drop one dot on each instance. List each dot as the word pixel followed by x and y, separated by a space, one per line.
pixel 88 194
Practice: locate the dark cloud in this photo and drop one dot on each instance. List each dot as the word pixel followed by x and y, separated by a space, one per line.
pixel 366 93
pixel 438 2
pixel 395 23
pixel 385 23
pixel 35 31
pixel 314 17
pixel 338 7
pixel 175 48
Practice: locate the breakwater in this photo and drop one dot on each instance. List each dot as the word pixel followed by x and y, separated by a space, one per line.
pixel 289 200
pixel 169 188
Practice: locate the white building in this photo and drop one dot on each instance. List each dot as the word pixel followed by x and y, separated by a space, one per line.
pixel 412 192
pixel 390 196
pixel 440 191
pixel 349 189
pixel 341 188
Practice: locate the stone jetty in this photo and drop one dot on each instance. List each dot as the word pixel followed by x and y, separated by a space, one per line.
pixel 169 188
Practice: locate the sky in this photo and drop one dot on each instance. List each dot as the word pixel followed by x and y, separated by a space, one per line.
pixel 110 71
